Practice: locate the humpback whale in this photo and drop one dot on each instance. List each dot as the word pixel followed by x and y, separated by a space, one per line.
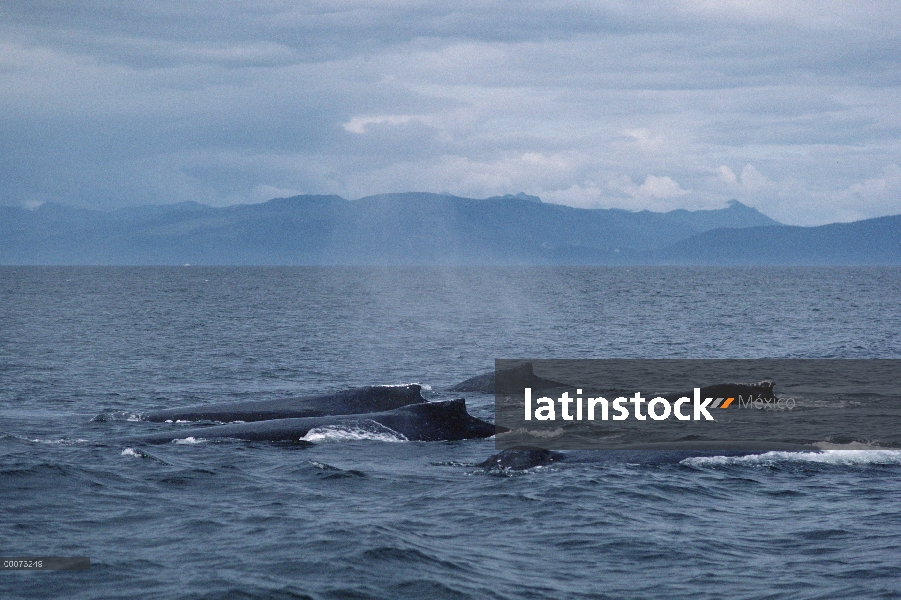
pixel 523 376
pixel 518 377
pixel 523 458
pixel 426 421
pixel 369 399
pixel 520 459
pixel 765 390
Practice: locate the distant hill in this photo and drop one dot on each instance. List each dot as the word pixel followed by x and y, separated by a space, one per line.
pixel 410 228
pixel 420 228
pixel 868 242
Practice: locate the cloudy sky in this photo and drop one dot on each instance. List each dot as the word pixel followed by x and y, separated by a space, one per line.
pixel 793 107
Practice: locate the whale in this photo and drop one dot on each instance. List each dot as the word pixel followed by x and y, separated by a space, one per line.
pixel 360 400
pixel 765 390
pixel 521 459
pixel 526 457
pixel 426 421
pixel 521 376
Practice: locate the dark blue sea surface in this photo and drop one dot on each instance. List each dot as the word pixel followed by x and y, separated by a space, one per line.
pixel 362 515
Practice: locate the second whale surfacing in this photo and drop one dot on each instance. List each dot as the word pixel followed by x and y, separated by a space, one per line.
pixel 520 376
pixel 527 457
pixel 426 421
pixel 370 399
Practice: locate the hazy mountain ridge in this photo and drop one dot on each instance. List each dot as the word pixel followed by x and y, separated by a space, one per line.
pixel 871 241
pixel 423 228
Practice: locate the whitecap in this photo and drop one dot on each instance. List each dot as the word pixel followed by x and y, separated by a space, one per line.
pixel 536 433
pixel 424 386
pixel 346 433
pixel 63 441
pixel 117 416
pixel 848 446
pixel 833 457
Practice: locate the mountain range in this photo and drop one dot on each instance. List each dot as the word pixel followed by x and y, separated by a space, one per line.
pixel 423 228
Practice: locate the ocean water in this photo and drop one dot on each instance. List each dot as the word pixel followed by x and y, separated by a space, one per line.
pixel 366 515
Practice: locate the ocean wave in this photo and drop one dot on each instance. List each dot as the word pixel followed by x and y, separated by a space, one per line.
pixel 135 453
pixel 117 416
pixel 345 433
pixel 537 433
pixel 189 440
pixel 331 472
pixel 425 387
pixel 832 457
pixel 62 441
pixel 848 446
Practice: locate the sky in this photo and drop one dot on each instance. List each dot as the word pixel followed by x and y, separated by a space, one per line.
pixel 792 107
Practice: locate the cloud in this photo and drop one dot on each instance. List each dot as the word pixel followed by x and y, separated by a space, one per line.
pixel 620 191
pixel 262 193
pixel 888 183
pixel 360 124
pixel 789 106
pixel 659 187
pixel 727 175
pixel 878 195
pixel 749 181
pixel 753 180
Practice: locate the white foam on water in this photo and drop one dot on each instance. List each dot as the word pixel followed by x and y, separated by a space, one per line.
pixel 832 457
pixel 548 434
pixel 538 433
pixel 132 452
pixel 117 416
pixel 189 440
pixel 849 446
pixel 346 433
pixel 424 386
pixel 63 442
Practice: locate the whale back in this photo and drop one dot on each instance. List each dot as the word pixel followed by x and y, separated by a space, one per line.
pixel 520 459
pixel 514 378
pixel 433 421
pixel 427 421
pixel 361 400
pixel 764 389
